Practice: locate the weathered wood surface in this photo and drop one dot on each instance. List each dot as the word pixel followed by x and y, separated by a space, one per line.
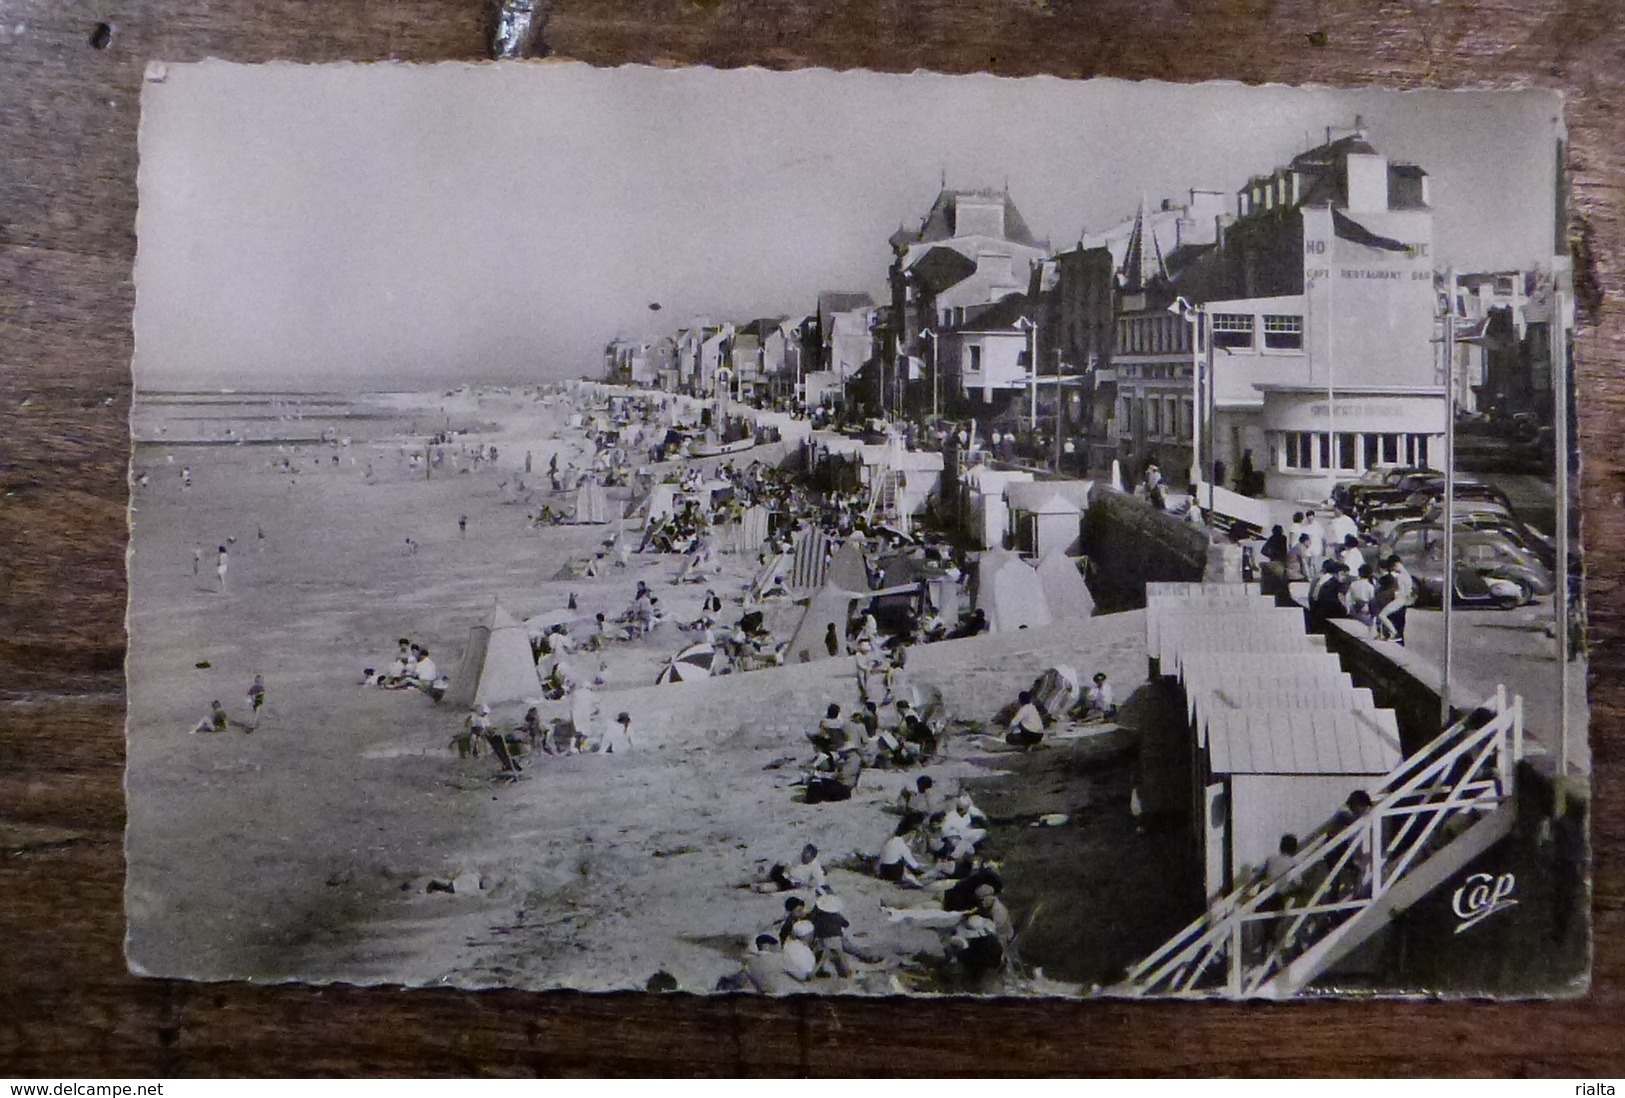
pixel 68 116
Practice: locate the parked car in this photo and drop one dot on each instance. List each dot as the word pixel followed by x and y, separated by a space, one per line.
pixel 1345 495
pixel 1370 498
pixel 1477 512
pixel 1489 554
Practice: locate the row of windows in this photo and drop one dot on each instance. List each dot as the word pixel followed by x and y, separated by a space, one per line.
pixel 1155 417
pixel 1357 451
pixel 1282 332
pixel 1155 371
pixel 1153 335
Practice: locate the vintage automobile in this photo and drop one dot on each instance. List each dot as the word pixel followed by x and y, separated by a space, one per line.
pixel 1470 499
pixel 1487 554
pixel 1365 499
pixel 1346 493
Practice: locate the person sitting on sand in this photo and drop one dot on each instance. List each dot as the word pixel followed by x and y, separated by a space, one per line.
pixel 974 874
pixel 800 962
pixel 1027 726
pixel 888 749
pixel 765 969
pixel 216 721
pixel 806 875
pixel 1099 701
pixel 922 797
pixel 834 776
pixel 975 946
pixel 920 738
pixel 795 909
pixel 962 825
pixel 396 671
pixel 425 672
pixel 830 735
pixel 932 628
pixel 896 862
pixel 972 626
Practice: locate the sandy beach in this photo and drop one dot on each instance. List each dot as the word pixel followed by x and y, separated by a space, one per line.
pixel 305 850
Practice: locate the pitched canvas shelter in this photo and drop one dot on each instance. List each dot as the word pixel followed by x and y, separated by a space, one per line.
pixel 1010 593
pixel 830 606
pixel 1049 524
pixel 747 534
pixel 497 664
pixel 811 566
pixel 592 504
pixel 662 501
pixel 847 568
pixel 1064 589
pixel 776 568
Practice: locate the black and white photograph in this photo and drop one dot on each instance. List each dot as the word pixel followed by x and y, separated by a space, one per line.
pixel 842 533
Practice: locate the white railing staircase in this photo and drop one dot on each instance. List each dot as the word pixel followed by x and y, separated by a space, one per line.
pixel 883 498
pixel 1436 812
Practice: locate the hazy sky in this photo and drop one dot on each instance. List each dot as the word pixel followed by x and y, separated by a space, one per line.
pixel 386 226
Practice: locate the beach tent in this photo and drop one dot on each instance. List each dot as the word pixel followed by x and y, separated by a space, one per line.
pixel 1064 589
pixel 847 568
pixel 662 501
pixel 830 606
pixel 497 664
pixel 752 529
pixel 811 566
pixel 694 662
pixel 1045 522
pixel 592 504
pixel 1010 594
pixel 777 566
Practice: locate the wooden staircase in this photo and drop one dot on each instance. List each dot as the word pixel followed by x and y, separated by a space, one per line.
pixel 1434 814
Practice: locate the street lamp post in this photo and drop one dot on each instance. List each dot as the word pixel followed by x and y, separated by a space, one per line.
pixel 1060 413
pixel 1201 391
pixel 1027 325
pixel 927 333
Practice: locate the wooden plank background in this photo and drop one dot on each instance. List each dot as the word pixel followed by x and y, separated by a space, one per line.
pixel 68 117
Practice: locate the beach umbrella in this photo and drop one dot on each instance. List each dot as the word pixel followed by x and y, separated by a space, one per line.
pixel 693 662
pixel 1057 690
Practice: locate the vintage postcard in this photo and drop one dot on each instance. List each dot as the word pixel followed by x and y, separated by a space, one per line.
pixel 846 533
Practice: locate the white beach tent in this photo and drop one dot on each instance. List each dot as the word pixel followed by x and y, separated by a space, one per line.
pixel 1064 588
pixel 497 664
pixel 592 504
pixel 1008 591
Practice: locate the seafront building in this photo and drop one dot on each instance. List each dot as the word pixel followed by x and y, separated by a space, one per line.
pixel 1289 332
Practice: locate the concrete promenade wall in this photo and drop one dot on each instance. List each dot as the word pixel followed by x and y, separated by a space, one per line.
pixel 1130 543
pixel 1399 679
